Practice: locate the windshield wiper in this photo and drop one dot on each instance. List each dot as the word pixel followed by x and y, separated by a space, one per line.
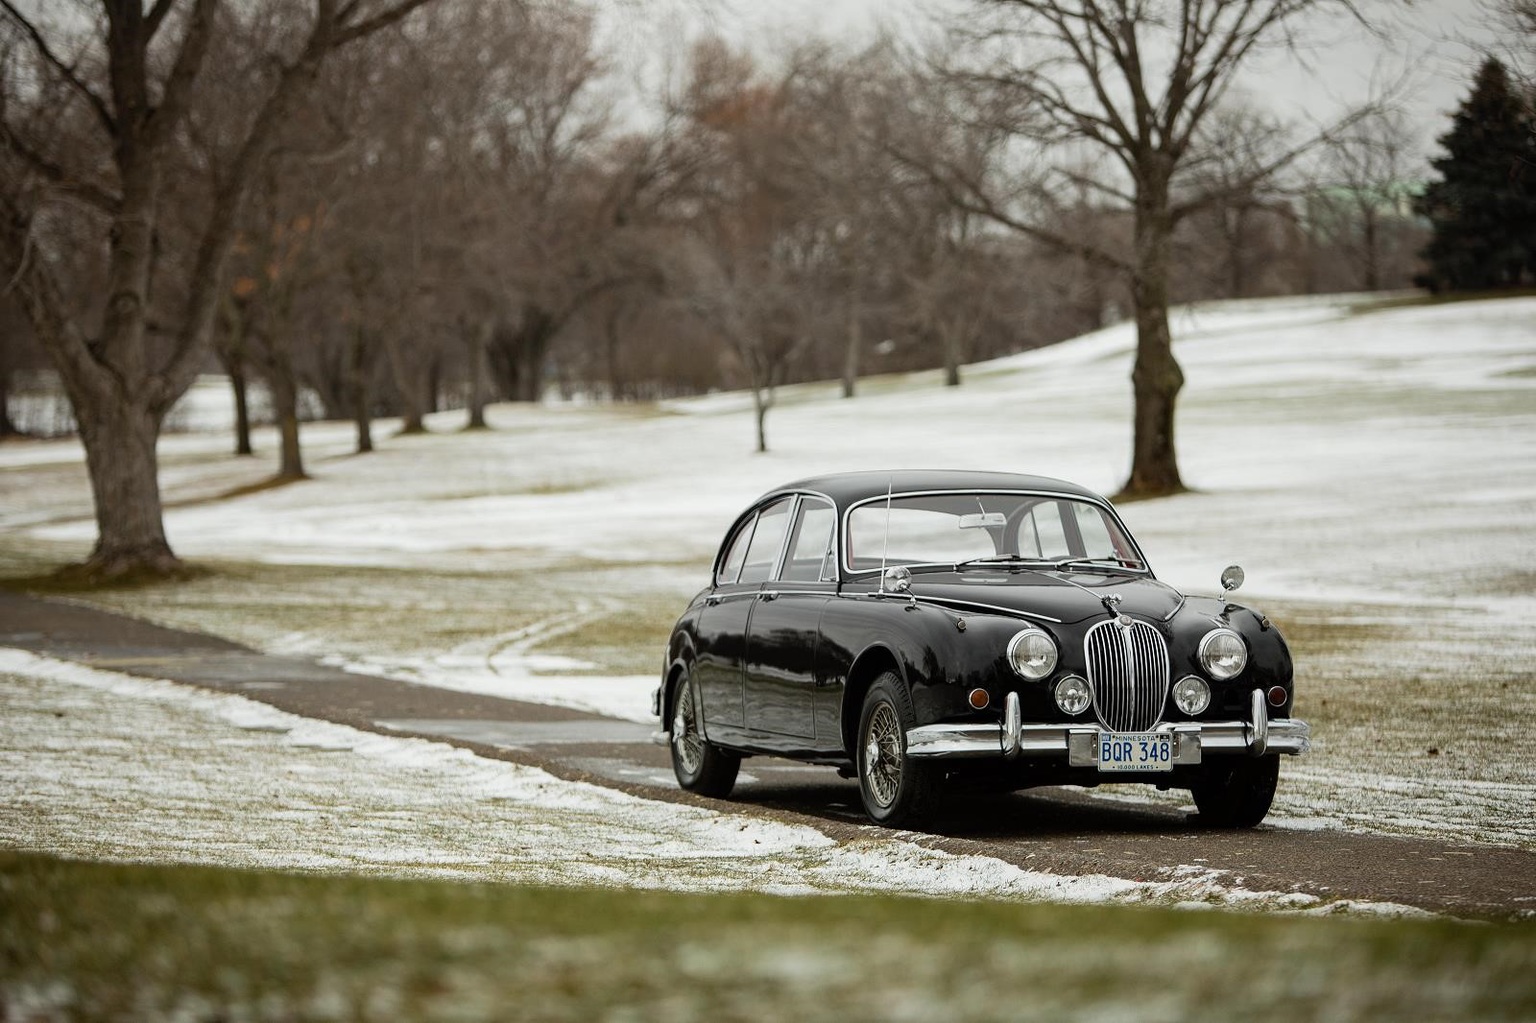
pixel 1007 559
pixel 1111 563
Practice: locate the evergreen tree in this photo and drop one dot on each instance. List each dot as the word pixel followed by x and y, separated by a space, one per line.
pixel 1483 207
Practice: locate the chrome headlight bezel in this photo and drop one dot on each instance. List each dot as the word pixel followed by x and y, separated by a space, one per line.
pixel 1192 695
pixel 1073 695
pixel 1031 659
pixel 1223 654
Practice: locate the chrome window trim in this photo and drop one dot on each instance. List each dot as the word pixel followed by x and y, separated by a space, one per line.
pixel 757 518
pixel 749 528
pixel 789 537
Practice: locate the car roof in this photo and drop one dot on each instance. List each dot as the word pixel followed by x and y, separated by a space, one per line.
pixel 848 488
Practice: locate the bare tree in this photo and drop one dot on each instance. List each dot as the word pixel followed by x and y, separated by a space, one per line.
pixel 842 108
pixel 1137 80
pixel 1236 226
pixel 1363 200
pixel 134 76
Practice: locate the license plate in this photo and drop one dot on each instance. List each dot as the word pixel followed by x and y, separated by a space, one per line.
pixel 1135 751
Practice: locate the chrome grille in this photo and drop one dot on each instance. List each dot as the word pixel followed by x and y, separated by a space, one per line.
pixel 1128 670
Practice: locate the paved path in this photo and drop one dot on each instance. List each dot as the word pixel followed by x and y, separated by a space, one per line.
pixel 1063 831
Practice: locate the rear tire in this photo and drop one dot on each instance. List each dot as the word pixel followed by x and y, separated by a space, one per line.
pixel 1237 792
pixel 896 789
pixel 700 765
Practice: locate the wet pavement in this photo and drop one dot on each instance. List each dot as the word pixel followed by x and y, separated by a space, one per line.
pixel 1064 831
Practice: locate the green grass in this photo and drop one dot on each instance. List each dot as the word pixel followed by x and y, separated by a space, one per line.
pixel 90 941
pixel 363 611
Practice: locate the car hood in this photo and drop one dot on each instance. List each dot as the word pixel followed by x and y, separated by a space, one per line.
pixel 1063 596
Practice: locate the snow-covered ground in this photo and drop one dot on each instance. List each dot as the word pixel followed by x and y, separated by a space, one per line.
pixel 1374 472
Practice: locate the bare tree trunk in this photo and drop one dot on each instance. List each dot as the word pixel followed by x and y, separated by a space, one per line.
pixel 476 337
pixel 854 347
pixel 231 354
pixel 362 398
pixel 7 426
pixel 762 401
pixel 1237 269
pixel 531 372
pixel 519 354
pixel 950 334
pixel 285 404
pixel 1368 224
pixel 409 383
pixel 611 352
pixel 124 478
pixel 240 387
pixel 1156 378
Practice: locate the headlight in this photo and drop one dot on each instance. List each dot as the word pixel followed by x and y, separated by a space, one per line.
pixel 1191 695
pixel 1073 694
pixel 1222 654
pixel 1032 654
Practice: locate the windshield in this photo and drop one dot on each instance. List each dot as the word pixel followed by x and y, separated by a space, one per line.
pixel 956 528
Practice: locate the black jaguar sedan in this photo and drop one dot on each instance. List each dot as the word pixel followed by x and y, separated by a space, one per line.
pixel 921 629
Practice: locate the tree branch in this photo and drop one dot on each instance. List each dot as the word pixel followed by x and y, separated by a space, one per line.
pixel 189 61
pixel 55 174
pixel 98 105
pixel 345 34
pixel 156 16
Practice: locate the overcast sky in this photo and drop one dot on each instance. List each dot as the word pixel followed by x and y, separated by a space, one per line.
pixel 1433 46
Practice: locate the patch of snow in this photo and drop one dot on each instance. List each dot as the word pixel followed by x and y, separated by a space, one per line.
pixel 106 766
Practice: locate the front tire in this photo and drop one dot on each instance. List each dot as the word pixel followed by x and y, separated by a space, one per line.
pixel 700 765
pixel 896 789
pixel 1237 792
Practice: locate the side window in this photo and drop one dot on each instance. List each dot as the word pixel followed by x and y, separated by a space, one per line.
pixel 1095 532
pixel 730 567
pixel 1041 534
pixel 767 538
pixel 811 546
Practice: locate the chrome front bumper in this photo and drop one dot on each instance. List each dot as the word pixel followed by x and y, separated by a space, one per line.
pixel 1080 743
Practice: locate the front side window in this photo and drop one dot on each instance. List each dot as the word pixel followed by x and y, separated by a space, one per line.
pixel 810 548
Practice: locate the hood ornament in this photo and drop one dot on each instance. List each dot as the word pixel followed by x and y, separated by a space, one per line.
pixel 1111 602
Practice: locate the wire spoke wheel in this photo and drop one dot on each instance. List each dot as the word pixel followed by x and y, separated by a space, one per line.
pixel 896 789
pixel 699 764
pixel 687 743
pixel 882 754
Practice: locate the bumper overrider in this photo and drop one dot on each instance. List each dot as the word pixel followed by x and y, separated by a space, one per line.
pixel 1079 743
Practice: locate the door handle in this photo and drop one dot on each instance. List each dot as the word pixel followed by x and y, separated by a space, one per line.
pixel 770 595
pixel 711 601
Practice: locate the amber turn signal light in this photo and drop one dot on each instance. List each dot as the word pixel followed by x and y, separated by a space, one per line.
pixel 980 698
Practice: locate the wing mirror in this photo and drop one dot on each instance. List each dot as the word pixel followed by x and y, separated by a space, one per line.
pixel 1231 578
pixel 897 579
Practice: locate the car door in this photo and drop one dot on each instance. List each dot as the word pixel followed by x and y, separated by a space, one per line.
pixel 752 556
pixel 784 629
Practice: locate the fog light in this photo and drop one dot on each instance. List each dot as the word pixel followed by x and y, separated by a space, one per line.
pixel 1073 695
pixel 979 699
pixel 1277 696
pixel 1191 695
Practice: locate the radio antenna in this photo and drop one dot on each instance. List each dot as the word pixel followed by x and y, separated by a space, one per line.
pixel 886 549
